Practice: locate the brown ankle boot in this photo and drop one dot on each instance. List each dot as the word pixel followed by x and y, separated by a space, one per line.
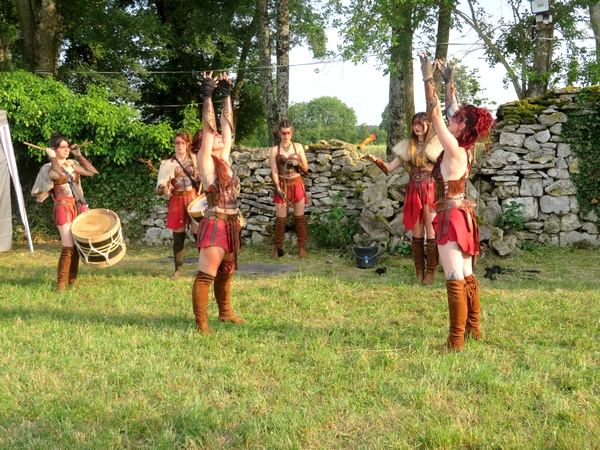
pixel 222 286
pixel 418 252
pixel 178 252
pixel 301 233
pixel 74 267
pixel 202 284
pixel 280 223
pixel 432 261
pixel 64 263
pixel 457 306
pixel 473 308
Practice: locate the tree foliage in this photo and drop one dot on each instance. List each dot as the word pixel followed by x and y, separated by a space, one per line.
pixel 323 118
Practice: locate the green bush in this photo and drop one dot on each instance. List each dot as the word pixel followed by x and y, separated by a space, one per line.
pixel 335 229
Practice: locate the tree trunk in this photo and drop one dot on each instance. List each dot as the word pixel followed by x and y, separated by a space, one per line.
pixel 40 30
pixel 401 94
pixel 266 73
pixel 442 39
pixel 283 60
pixel 595 24
pixel 542 61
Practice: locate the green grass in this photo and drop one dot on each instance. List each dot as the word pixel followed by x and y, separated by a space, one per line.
pixel 332 357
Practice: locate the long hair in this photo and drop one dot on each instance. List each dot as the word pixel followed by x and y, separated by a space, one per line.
pixel 417 155
pixel 187 138
pixel 478 122
pixel 196 142
pixel 56 139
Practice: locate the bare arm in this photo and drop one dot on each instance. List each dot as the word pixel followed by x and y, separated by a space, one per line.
pixel 204 157
pixel 226 116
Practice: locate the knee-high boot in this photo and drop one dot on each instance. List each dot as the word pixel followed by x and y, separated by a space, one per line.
pixel 301 233
pixel 178 252
pixel 279 236
pixel 74 267
pixel 222 286
pixel 457 307
pixel 200 289
pixel 473 308
pixel 418 252
pixel 64 262
pixel 432 261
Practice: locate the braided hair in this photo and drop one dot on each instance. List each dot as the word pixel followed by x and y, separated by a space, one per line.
pixel 478 122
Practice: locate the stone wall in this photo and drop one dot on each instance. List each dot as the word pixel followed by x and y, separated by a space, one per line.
pixel 528 164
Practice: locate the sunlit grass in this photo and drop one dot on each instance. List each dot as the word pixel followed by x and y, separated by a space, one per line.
pixel 332 357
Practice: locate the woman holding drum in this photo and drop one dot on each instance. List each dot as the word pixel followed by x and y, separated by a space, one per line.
pixel 178 179
pixel 219 231
pixel 61 178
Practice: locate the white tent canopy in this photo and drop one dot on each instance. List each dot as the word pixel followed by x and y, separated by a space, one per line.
pixel 8 169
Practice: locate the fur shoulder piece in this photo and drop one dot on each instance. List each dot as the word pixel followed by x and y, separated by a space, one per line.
pixel 401 150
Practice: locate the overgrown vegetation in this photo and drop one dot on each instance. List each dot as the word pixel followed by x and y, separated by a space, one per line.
pixel 512 216
pixel 334 229
pixel 582 131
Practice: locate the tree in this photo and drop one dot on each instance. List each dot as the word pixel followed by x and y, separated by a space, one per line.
pixel 323 118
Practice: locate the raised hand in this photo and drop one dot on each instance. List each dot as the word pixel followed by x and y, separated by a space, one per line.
pixel 224 85
pixel 427 68
pixel 51 153
pixel 446 69
pixel 207 85
pixel 75 151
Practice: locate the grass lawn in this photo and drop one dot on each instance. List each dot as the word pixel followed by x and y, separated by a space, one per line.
pixel 332 357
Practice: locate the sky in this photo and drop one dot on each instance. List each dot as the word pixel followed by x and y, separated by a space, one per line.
pixel 344 79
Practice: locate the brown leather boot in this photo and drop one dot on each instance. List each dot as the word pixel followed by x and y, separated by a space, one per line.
pixel 280 223
pixel 74 267
pixel 202 284
pixel 64 262
pixel 418 252
pixel 457 306
pixel 222 286
pixel 432 261
pixel 301 233
pixel 178 252
pixel 473 308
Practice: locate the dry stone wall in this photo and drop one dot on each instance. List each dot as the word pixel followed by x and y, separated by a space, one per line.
pixel 529 164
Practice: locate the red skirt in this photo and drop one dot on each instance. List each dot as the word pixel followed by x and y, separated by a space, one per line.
pixel 461 228
pixel 295 193
pixel 178 216
pixel 418 194
pixel 65 210
pixel 224 233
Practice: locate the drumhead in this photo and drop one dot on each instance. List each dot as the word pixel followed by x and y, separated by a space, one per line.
pixel 95 225
pixel 197 207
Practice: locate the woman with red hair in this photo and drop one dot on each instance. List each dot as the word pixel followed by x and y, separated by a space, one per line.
pixel 456 229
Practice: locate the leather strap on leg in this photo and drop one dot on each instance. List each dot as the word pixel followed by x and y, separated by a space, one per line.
pixel 457 307
pixel 301 233
pixel 473 308
pixel 200 290
pixel 418 252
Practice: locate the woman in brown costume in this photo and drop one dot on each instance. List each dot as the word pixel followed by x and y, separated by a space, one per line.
pixel 420 151
pixel 178 179
pixel 456 229
pixel 288 163
pixel 61 178
pixel 219 231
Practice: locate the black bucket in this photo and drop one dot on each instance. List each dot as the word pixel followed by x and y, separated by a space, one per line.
pixel 366 257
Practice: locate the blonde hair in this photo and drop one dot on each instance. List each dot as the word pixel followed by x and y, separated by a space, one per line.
pixel 417 154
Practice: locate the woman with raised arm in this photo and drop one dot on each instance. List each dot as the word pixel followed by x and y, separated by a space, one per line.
pixel 219 232
pixel 420 151
pixel 178 179
pixel 61 178
pixel 456 229
pixel 288 164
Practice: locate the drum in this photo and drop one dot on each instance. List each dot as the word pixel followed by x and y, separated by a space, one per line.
pixel 98 238
pixel 197 207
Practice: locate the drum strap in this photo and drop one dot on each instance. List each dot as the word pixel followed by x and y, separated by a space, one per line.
pixel 194 182
pixel 75 189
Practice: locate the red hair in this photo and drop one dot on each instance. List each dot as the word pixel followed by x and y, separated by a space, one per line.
pixel 478 122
